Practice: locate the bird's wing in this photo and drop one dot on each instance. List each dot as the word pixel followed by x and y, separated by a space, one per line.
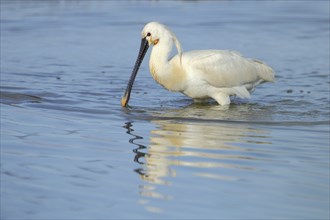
pixel 221 68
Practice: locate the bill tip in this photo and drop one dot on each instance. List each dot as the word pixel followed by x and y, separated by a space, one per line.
pixel 123 101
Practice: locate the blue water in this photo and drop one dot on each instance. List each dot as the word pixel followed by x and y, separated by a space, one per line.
pixel 70 151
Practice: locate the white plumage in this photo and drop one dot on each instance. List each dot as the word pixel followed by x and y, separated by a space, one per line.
pixel 199 74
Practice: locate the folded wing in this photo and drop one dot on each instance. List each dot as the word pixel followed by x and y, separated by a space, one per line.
pixel 228 69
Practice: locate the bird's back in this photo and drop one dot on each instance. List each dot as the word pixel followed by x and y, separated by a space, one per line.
pixel 225 69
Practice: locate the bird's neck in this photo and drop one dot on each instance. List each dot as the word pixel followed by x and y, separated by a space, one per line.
pixel 159 60
pixel 169 73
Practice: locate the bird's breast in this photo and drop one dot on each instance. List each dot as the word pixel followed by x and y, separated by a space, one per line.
pixel 170 78
pixel 153 71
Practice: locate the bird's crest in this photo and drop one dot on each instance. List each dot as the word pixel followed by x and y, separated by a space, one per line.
pixel 177 45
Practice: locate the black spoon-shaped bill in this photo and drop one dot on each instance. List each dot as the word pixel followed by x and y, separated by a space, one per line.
pixel 143 50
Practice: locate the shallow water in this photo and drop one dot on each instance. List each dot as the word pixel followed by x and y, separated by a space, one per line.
pixel 68 150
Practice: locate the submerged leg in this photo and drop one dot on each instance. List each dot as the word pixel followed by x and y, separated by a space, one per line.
pixel 199 101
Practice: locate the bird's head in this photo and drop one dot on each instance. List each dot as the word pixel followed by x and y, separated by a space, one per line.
pixel 153 33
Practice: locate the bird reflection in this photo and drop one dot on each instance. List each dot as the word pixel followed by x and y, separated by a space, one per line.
pixel 151 174
pixel 212 150
pixel 147 190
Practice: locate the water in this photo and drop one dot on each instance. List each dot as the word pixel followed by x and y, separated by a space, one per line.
pixel 68 150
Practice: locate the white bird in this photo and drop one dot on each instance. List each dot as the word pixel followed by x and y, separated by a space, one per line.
pixel 199 74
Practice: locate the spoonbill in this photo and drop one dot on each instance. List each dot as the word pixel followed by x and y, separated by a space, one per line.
pixel 199 74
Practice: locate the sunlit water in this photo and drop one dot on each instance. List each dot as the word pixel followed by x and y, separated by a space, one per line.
pixel 68 150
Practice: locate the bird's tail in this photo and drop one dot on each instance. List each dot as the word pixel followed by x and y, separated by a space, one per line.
pixel 264 71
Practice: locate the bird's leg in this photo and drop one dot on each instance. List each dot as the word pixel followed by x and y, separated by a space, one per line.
pixel 221 98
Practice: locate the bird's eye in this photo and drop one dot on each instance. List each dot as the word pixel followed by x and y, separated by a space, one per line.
pixel 148 34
